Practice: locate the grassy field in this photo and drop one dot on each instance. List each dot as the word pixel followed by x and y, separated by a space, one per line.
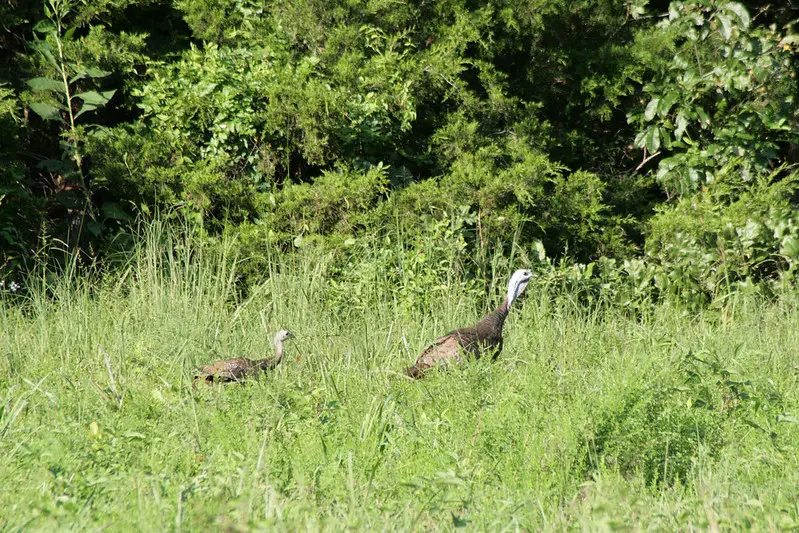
pixel 590 419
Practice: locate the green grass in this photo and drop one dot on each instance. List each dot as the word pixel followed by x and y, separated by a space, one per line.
pixel 590 419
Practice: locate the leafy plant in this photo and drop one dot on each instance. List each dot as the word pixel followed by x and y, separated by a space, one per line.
pixel 63 101
pixel 660 431
pixel 721 92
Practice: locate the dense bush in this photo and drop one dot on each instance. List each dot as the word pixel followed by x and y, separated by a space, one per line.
pixel 628 136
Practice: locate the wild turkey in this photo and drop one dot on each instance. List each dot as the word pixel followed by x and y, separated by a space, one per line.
pixel 241 368
pixel 485 336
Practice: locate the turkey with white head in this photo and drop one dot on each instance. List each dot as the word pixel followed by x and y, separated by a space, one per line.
pixel 240 368
pixel 483 337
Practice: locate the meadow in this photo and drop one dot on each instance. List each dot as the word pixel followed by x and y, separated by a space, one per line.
pixel 594 417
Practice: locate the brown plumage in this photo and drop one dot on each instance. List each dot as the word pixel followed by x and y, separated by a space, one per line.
pixel 483 337
pixel 240 368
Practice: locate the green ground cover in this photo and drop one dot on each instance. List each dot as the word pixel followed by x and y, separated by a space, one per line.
pixel 591 418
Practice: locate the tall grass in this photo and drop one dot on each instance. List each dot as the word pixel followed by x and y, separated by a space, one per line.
pixel 590 418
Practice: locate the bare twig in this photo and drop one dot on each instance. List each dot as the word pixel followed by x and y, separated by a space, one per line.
pixel 647 159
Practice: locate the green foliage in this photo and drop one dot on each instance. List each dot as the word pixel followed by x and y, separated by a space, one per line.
pixel 728 238
pixel 719 90
pixel 415 266
pixel 98 415
pixel 340 125
pixel 56 98
pixel 18 224
pixel 661 432
pixel 336 203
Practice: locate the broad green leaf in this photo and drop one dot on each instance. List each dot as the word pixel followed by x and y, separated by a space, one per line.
pixel 112 210
pixel 94 227
pixel 97 73
pixel 667 102
pixel 89 73
pixel 725 25
pixel 68 198
pixel 651 109
pixel 704 120
pixel 57 166
pixel 95 98
pixel 85 109
pixel 653 139
pixel 44 26
pixel 682 123
pixel 790 248
pixel 45 84
pixel 640 139
pixel 43 47
pixel 665 136
pixel 540 250
pixel 46 111
pixel 741 12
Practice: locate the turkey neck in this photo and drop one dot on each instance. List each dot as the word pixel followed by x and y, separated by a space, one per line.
pixel 278 351
pixel 492 323
pixel 269 362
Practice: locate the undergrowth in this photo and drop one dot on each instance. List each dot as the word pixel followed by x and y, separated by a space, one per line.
pixel 593 417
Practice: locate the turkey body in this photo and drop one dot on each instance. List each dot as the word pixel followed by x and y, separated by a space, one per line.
pixel 237 370
pixel 473 341
pixel 241 368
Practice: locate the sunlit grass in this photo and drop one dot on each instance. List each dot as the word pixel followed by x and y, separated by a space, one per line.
pixel 101 429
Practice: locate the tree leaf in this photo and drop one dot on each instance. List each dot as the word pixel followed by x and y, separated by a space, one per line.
pixel 44 26
pixel 45 84
pixel 681 122
pixel 653 139
pixel 95 98
pixel 704 120
pixel 112 210
pixel 741 12
pixel 46 111
pixel 68 198
pixel 667 102
pixel 85 108
pixel 95 228
pixel 790 248
pixel 57 166
pixel 79 76
pixel 640 139
pixel 48 55
pixel 726 26
pixel 89 73
pixel 651 109
pixel 97 73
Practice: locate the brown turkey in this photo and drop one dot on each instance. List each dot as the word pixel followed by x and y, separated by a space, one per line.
pixel 483 337
pixel 241 368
